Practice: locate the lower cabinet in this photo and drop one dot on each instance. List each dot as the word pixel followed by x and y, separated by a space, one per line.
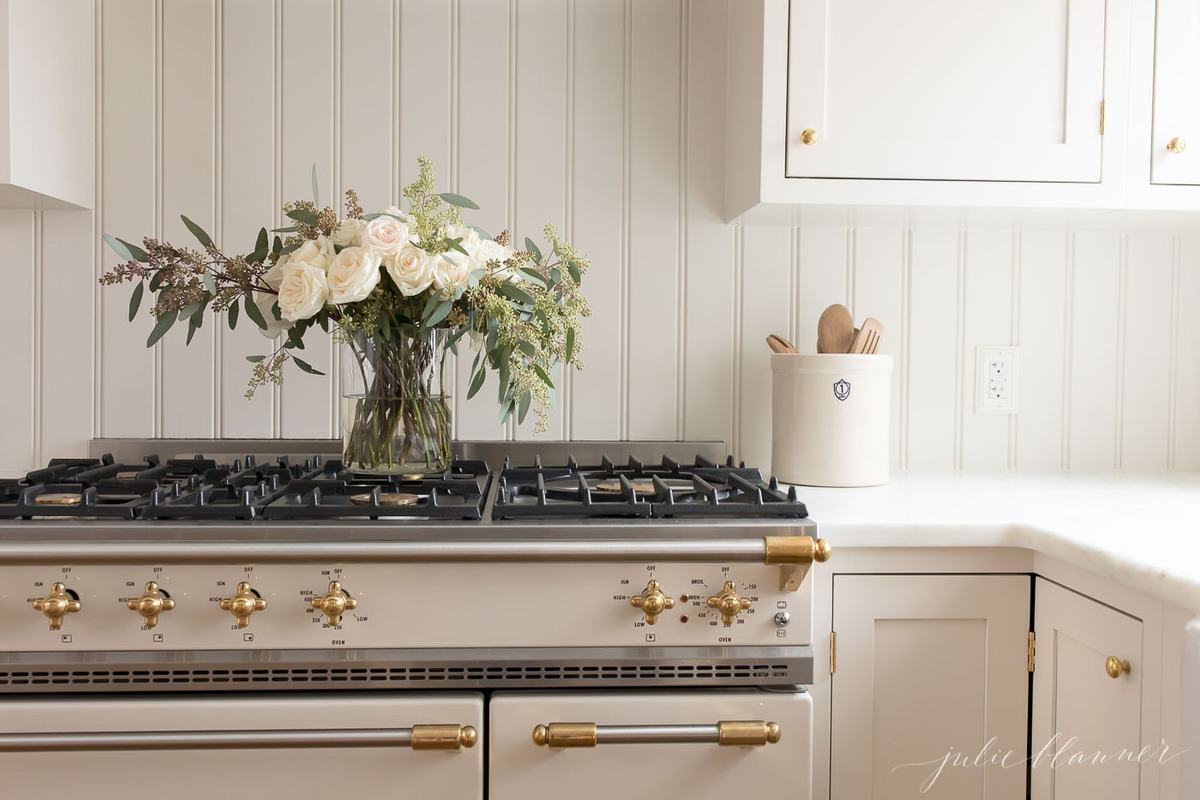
pixel 709 744
pixel 930 689
pixel 1087 691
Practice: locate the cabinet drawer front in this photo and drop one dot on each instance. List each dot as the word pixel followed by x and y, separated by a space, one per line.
pixel 121 748
pixel 668 747
pixel 1176 94
pixel 946 90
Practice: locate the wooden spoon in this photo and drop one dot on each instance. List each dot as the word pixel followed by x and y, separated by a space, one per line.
pixel 778 344
pixel 866 341
pixel 835 330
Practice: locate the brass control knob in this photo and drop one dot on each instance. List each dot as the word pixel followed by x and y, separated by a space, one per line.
pixel 57 605
pixel 729 603
pixel 335 603
pixel 652 602
pixel 154 601
pixel 1176 145
pixel 1116 667
pixel 245 601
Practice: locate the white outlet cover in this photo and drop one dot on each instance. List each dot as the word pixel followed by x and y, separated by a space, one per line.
pixel 1005 358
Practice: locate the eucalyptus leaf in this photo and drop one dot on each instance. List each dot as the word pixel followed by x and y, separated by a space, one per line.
pixel 303 216
pixel 156 281
pixel 555 276
pixel 262 246
pixel 523 408
pixel 527 348
pixel 458 200
pixel 285 229
pixel 316 193
pixel 569 349
pixel 482 233
pixel 190 309
pixel 440 313
pixel 476 383
pixel 233 315
pixel 294 337
pixel 573 269
pixel 162 326
pixel 197 231
pixel 255 315
pixel 306 367
pixel 255 359
pixel 541 373
pixel 192 328
pixel 506 408
pixel 138 253
pixel 514 292
pixel 533 249
pixel 209 283
pixel 120 248
pixel 135 300
pixel 456 244
pixel 534 275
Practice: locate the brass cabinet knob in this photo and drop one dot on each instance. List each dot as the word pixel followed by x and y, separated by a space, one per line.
pixel 154 601
pixel 729 603
pixel 808 136
pixel 245 601
pixel 57 605
pixel 652 602
pixel 1177 145
pixel 1116 667
pixel 334 603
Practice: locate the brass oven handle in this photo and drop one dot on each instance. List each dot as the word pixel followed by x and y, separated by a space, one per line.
pixel 418 737
pixel 728 733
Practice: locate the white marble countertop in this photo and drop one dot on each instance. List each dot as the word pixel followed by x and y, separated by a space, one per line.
pixel 1142 530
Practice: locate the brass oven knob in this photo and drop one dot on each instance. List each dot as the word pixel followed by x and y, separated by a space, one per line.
pixel 335 603
pixel 154 601
pixel 1116 667
pixel 729 603
pixel 245 601
pixel 1176 145
pixel 57 605
pixel 652 602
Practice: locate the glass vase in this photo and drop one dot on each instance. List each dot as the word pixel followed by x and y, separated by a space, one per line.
pixel 396 410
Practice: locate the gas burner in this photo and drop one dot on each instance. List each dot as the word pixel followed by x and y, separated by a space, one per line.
pixel 669 489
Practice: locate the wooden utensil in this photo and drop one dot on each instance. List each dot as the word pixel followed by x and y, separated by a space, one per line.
pixel 835 330
pixel 867 340
pixel 778 344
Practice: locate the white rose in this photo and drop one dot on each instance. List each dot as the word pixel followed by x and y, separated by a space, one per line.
pixel 469 236
pixel 315 252
pixel 303 291
pixel 397 211
pixel 451 270
pixel 489 251
pixel 264 301
pixel 348 233
pixel 411 269
pixel 385 235
pixel 353 275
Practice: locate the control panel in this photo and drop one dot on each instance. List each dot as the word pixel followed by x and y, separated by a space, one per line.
pixel 373 605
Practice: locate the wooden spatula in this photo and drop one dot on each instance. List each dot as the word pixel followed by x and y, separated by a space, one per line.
pixel 778 344
pixel 835 330
pixel 866 342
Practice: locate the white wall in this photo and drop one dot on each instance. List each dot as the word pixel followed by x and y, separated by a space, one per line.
pixel 605 117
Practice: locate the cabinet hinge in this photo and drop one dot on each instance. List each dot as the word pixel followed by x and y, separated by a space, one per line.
pixel 832 652
pixel 1031 651
pixel 1101 117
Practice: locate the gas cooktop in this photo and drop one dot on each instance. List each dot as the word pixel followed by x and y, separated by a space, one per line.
pixel 316 487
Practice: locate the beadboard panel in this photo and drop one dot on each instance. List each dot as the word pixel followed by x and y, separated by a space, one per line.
pixel 605 119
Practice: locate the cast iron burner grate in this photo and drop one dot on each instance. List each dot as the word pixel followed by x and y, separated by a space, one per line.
pixel 670 489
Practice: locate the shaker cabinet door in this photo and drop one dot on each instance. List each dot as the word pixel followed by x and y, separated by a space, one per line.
pixel 929 668
pixel 1083 703
pixel 971 90
pixel 1175 143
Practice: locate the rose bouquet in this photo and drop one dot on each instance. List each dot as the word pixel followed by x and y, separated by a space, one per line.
pixel 398 289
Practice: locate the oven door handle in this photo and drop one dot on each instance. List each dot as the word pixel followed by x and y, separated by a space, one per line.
pixel 418 737
pixel 727 733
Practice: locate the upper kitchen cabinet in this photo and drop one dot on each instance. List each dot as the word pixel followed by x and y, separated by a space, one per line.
pixel 46 104
pixel 943 102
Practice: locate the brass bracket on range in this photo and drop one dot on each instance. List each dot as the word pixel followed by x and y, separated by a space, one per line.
pixel 795 556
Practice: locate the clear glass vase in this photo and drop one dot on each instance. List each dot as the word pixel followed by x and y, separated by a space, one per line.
pixel 396 410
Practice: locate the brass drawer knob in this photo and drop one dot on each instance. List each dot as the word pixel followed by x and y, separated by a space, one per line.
pixel 808 136
pixel 1176 145
pixel 1116 667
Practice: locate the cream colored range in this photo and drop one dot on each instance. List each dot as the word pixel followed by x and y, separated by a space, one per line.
pixel 398 605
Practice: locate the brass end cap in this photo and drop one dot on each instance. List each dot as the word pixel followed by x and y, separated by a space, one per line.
pixel 468 736
pixel 541 735
pixel 822 551
pixel 773 732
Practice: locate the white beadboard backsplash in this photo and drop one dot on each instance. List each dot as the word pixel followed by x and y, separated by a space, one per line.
pixel 605 118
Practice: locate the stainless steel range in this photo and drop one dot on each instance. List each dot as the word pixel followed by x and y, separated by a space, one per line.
pixel 238 612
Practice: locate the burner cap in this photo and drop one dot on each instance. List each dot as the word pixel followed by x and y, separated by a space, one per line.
pixel 59 499
pixel 640 486
pixel 387 499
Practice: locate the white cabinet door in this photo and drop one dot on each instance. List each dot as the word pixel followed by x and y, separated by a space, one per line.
pixel 929 668
pixel 519 769
pixel 972 90
pixel 267 765
pixel 1175 143
pixel 1078 708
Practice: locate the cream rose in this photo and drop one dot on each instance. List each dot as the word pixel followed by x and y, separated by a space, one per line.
pixel 314 252
pixel 303 291
pixel 264 301
pixel 385 235
pixel 489 251
pixel 353 274
pixel 411 269
pixel 349 233
pixel 469 237
pixel 451 270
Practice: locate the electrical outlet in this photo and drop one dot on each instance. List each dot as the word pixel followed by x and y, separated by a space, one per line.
pixel 995 380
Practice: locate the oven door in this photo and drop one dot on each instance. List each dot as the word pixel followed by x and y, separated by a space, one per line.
pixel 198 748
pixel 697 744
